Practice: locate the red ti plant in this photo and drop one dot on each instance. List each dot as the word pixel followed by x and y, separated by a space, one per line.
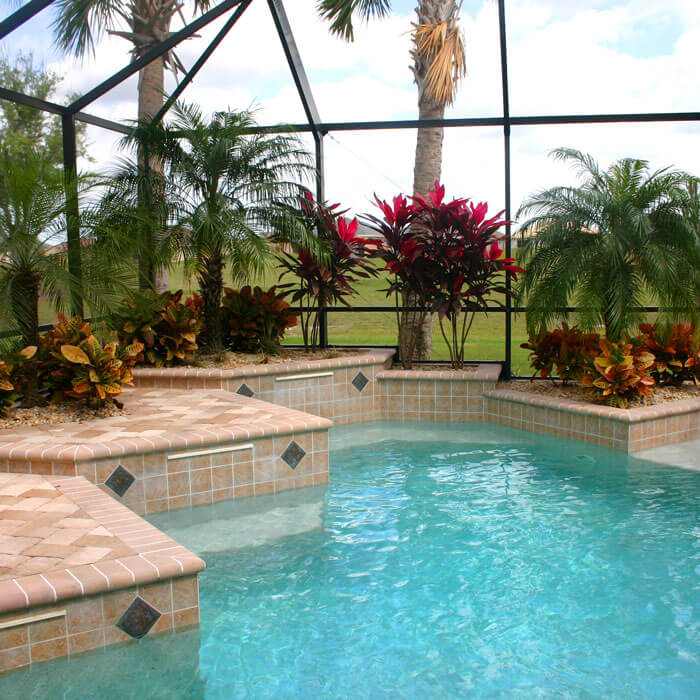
pixel 321 281
pixel 447 252
pixel 403 255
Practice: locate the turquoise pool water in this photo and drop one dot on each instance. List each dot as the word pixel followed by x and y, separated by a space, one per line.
pixel 444 562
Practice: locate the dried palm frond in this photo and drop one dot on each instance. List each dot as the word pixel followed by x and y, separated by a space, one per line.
pixel 441 45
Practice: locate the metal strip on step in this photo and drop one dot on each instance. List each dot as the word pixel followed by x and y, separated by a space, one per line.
pixel 293 377
pixel 216 451
pixel 7 624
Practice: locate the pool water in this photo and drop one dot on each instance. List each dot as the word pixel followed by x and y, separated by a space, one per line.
pixel 443 561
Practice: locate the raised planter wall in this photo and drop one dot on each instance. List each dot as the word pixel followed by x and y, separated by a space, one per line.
pixel 629 430
pixel 435 394
pixel 342 389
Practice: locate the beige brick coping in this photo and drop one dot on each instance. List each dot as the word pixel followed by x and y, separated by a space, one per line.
pixel 105 545
pixel 631 415
pixel 482 373
pixel 369 358
pixel 158 420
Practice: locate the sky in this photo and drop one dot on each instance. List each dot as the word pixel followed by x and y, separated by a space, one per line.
pixel 565 57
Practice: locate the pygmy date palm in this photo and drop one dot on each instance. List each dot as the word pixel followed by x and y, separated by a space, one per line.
pixel 33 260
pixel 232 189
pixel 620 240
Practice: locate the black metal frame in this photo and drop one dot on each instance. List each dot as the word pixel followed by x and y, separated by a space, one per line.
pixel 73 112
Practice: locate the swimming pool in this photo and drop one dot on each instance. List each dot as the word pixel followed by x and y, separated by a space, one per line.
pixel 443 561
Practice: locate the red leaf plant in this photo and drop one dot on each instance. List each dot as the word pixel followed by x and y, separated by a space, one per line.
pixel 566 350
pixel 446 254
pixel 319 281
pixel 676 351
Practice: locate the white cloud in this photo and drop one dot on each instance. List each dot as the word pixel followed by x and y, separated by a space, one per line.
pixel 564 58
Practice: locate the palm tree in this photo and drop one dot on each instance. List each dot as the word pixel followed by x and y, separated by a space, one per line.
pixel 144 23
pixel 619 240
pixel 439 64
pixel 33 260
pixel 231 190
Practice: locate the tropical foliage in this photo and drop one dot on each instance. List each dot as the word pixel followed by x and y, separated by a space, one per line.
pixel 618 241
pixel 326 277
pixel 438 64
pixel 564 352
pixel 676 352
pixel 230 189
pixel 255 320
pixel 620 372
pixel 166 328
pixel 92 372
pixel 444 257
pixel 11 378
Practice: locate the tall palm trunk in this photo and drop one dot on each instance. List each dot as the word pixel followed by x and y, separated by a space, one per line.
pixel 24 301
pixel 428 162
pixel 150 99
pixel 211 288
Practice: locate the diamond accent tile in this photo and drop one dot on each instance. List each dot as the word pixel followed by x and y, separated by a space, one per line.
pixel 360 381
pixel 120 480
pixel 138 618
pixel 245 390
pixel 293 454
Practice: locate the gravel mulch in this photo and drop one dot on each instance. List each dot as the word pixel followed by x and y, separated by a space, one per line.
pixel 576 392
pixel 231 360
pixel 57 413
pixel 432 367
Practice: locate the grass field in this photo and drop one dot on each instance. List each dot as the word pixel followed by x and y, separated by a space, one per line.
pixel 486 340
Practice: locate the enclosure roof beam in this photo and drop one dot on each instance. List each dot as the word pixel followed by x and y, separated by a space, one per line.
pixel 202 60
pixel 152 54
pixel 24 13
pixel 29 101
pixel 488 121
pixel 284 29
pixel 103 123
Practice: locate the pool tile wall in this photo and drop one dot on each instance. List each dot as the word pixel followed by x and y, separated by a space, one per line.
pixel 176 449
pixel 629 430
pixel 342 389
pixel 77 626
pixel 442 395
pixel 79 571
pixel 168 481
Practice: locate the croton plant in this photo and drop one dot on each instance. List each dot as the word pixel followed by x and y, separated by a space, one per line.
pixel 166 327
pixel 254 320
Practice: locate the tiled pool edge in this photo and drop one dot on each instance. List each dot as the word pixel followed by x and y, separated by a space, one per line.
pixel 628 430
pixel 187 464
pixel 443 395
pixel 150 589
pixel 342 389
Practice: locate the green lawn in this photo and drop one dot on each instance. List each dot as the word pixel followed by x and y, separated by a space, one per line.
pixel 486 340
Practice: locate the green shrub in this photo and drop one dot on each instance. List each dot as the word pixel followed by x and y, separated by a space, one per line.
pixel 565 351
pixel 255 320
pixel 676 352
pixel 167 328
pixel 620 372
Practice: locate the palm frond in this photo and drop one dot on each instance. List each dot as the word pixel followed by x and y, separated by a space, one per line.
pixel 340 14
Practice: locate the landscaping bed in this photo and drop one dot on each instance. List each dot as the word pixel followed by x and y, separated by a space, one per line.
pixel 232 360
pixel 576 392
pixel 57 413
